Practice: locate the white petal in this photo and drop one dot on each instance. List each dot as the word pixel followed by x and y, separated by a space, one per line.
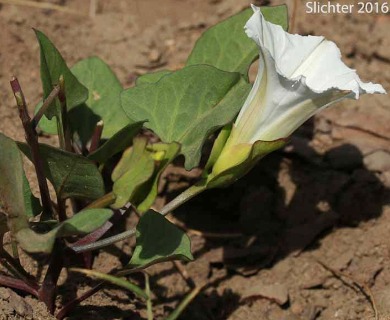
pixel 315 58
pixel 297 77
pixel 277 106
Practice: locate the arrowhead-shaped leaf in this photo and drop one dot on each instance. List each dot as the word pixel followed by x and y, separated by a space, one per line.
pixel 227 47
pixel 71 175
pixel 187 106
pixel 133 170
pixel 117 143
pixel 52 67
pixel 159 240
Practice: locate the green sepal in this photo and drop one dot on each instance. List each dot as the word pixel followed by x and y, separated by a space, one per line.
pixel 236 161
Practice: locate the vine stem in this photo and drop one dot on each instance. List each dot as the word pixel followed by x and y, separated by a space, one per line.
pixel 102 202
pixel 175 203
pixel 96 136
pixel 32 141
pixel 64 133
pixel 17 284
pixel 48 101
pixel 49 285
pixel 14 266
pixel 183 197
pixel 149 306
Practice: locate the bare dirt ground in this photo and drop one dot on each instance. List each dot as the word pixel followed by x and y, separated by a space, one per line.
pixel 314 218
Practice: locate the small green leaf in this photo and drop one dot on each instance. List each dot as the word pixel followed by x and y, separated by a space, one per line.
pixel 165 153
pixel 159 240
pixel 117 143
pixel 113 280
pixel 71 175
pixel 227 47
pixel 133 170
pixel 32 204
pixel 84 222
pixel 187 106
pixel 52 67
pixel 152 77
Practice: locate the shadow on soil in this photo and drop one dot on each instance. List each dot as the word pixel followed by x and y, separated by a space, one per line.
pixel 286 205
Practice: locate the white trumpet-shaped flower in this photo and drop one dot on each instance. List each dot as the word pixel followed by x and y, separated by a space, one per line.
pixel 297 77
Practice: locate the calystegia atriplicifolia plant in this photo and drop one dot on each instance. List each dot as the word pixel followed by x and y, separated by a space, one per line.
pixel 105 165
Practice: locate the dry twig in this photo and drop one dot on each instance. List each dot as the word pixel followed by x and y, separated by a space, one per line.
pixel 354 285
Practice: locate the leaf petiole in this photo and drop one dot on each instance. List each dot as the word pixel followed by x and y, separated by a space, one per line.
pixel 110 197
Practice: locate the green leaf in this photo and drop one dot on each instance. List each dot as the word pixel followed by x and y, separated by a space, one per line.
pixel 187 106
pixel 227 47
pixel 32 204
pixel 84 222
pixel 133 170
pixel 113 280
pixel 13 203
pixel 52 67
pixel 164 154
pixel 152 77
pixel 11 184
pixel 159 240
pixel 103 102
pixel 104 94
pixel 71 175
pixel 82 121
pixel 117 143
pixel 46 125
pixel 12 198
